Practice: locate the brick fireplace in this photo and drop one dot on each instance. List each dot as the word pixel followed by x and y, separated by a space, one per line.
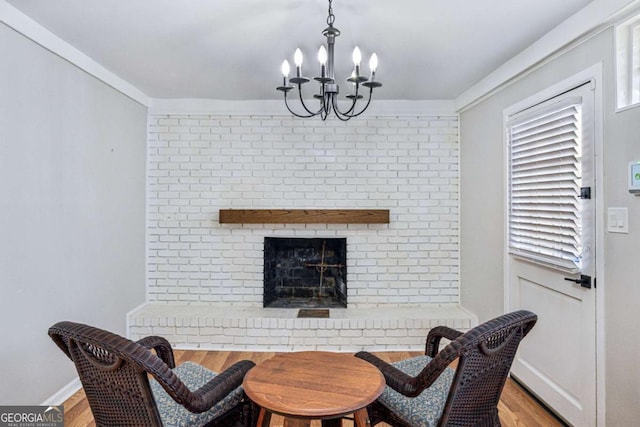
pixel 199 164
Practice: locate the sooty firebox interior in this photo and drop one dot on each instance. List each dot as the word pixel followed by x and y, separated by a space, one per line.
pixel 305 272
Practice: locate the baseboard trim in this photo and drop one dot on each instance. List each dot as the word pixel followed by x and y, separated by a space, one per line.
pixel 64 393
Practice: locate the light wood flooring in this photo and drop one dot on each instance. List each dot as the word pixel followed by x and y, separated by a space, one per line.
pixel 517 408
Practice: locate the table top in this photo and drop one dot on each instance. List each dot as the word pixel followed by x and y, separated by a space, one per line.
pixel 313 384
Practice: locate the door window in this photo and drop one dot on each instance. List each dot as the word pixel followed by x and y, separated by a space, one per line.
pixel 545 177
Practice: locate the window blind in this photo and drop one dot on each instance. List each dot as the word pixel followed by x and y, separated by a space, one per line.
pixel 545 178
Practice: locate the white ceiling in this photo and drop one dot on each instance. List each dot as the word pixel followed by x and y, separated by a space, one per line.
pixel 232 49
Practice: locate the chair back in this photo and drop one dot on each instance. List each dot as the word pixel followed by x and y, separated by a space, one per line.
pixel 116 384
pixel 486 353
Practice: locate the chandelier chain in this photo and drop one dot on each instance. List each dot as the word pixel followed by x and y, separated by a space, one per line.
pixel 331 18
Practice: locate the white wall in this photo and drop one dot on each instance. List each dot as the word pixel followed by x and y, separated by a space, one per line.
pixel 72 194
pixel 622 297
pixel 199 164
pixel 482 216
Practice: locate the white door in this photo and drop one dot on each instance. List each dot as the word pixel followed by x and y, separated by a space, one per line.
pixel 551 240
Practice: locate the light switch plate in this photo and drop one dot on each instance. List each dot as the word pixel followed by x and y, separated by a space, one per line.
pixel 617 220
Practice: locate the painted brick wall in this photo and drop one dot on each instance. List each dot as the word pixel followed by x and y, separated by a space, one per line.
pixel 199 164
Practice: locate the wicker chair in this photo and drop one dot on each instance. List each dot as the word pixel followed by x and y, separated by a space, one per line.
pixel 127 384
pixel 425 392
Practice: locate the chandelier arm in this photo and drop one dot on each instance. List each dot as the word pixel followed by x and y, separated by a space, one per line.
pixel 324 104
pixel 355 100
pixel 348 113
pixel 303 104
pixel 339 114
pixel 323 111
pixel 324 115
pixel 329 102
pixel 366 106
pixel 351 111
pixel 303 116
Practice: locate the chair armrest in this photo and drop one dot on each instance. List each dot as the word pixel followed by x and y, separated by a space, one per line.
pixel 218 387
pixel 435 335
pixel 413 386
pixel 162 348
pixel 394 377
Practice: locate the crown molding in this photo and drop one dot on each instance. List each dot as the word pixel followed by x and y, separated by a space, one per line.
pixel 591 20
pixel 378 108
pixel 29 28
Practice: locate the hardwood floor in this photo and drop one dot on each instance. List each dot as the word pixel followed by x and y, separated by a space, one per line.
pixel 517 408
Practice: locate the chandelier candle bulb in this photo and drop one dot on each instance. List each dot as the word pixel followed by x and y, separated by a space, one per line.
pixel 285 74
pixel 356 56
pixel 297 58
pixel 354 90
pixel 298 79
pixel 373 64
pixel 322 57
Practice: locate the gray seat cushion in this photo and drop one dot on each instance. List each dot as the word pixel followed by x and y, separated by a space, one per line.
pixel 193 376
pixel 424 410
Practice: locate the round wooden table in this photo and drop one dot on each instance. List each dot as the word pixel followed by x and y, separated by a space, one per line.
pixel 314 385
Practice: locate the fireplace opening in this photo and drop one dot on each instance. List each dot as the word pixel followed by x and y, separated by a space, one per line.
pixel 305 272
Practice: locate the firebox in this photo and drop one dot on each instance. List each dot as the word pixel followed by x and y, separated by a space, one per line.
pixel 305 272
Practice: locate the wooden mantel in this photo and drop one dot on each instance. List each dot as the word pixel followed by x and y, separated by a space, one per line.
pixel 304 216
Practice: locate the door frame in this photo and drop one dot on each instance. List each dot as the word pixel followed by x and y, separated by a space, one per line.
pixel 592 74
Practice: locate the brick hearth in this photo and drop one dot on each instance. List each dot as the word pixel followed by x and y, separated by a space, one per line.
pixel 218 328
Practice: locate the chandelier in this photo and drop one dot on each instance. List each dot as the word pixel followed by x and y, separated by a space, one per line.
pixel 329 89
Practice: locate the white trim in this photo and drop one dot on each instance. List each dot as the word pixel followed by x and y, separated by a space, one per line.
pixel 506 113
pixel 591 73
pixel 378 108
pixel 29 28
pixel 578 28
pixel 623 60
pixel 595 75
pixel 129 314
pixel 147 243
pixel 64 393
pixel 600 285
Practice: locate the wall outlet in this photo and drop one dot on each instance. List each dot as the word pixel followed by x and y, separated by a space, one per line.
pixel 617 220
